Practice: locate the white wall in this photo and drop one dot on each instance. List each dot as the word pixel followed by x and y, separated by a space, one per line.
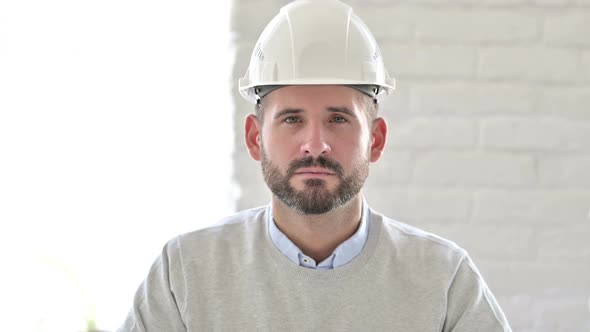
pixel 489 140
pixel 115 135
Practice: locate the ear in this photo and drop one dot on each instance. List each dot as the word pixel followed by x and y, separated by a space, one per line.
pixel 378 138
pixel 252 131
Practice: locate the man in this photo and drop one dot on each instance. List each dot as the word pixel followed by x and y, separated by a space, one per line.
pixel 318 257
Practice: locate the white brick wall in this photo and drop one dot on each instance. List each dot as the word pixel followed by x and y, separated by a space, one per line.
pixel 586 64
pixel 432 132
pixel 538 133
pixel 449 25
pixel 430 61
pixel 565 102
pixel 568 29
pixel 474 169
pixel 530 64
pixel 489 140
pixel 536 207
pixel 564 171
pixel 463 98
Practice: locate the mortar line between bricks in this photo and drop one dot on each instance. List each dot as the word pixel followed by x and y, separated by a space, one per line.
pixel 488 6
pixel 541 28
pixel 535 42
pixel 478 188
pixel 471 80
pixel 479 142
pixel 483 6
pixel 422 80
pixel 536 177
pixel 471 208
pixel 481 44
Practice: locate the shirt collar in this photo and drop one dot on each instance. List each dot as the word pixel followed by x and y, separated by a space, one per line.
pixel 342 255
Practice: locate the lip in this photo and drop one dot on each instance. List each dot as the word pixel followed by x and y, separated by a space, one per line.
pixel 317 171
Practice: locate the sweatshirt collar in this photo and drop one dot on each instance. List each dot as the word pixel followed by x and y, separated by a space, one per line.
pixel 342 255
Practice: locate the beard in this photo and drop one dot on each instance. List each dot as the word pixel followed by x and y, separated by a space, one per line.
pixel 315 198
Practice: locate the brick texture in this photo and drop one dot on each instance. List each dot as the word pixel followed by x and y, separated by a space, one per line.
pixel 530 64
pixel 547 134
pixel 473 168
pixel 586 65
pixel 449 26
pixel 489 141
pixel 566 28
pixel 413 61
pixel 433 132
pixel 465 98
pixel 565 171
pixel 564 102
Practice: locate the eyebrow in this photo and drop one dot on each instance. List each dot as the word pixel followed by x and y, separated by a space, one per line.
pixel 343 109
pixel 332 109
pixel 288 111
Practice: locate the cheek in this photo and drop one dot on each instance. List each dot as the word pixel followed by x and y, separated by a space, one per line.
pixel 357 143
pixel 352 153
pixel 276 146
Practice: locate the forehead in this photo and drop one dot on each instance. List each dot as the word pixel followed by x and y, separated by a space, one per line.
pixel 311 97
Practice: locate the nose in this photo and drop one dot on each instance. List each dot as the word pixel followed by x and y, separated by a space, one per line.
pixel 315 143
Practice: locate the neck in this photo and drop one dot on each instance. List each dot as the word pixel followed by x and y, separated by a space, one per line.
pixel 318 235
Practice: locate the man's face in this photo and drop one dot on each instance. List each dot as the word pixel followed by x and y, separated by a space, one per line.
pixel 315 146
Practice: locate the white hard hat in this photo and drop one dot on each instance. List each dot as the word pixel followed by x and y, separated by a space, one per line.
pixel 315 42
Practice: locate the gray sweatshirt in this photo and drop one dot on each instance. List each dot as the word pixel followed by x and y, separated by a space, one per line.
pixel 230 277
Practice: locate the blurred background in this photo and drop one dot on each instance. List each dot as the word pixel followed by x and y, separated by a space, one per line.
pixel 121 127
pixel 116 135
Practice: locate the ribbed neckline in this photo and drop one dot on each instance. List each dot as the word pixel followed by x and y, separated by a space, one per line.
pixel 344 253
pixel 295 272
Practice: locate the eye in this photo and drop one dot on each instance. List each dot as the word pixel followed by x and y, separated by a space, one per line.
pixel 292 119
pixel 339 119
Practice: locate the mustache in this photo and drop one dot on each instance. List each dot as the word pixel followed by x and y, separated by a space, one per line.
pixel 317 162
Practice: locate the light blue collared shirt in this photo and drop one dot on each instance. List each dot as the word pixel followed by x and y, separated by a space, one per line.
pixel 342 255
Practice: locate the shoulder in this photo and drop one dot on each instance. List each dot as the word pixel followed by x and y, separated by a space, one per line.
pixel 415 244
pixel 223 235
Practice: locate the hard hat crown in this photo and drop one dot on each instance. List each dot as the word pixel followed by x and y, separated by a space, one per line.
pixel 315 42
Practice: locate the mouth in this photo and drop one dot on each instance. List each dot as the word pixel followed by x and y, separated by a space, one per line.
pixel 314 171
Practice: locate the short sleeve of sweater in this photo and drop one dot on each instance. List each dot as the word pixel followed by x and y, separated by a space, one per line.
pixel 470 303
pixel 158 302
